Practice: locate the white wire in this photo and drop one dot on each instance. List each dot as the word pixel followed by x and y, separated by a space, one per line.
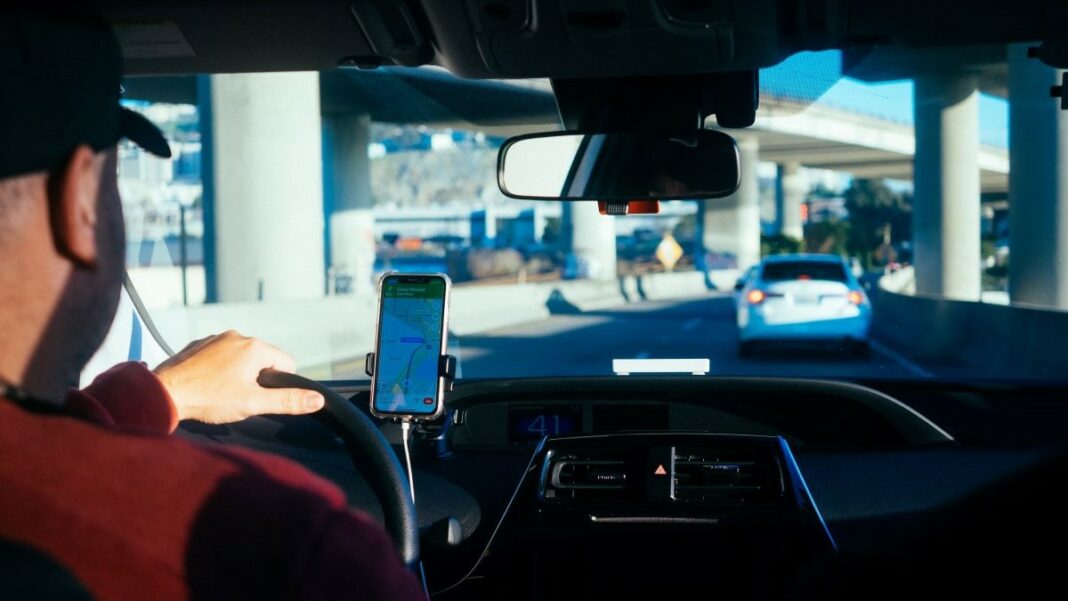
pixel 142 312
pixel 406 426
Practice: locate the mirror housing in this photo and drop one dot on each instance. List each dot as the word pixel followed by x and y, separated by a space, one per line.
pixel 618 166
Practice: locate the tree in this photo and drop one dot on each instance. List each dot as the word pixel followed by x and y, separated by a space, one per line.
pixel 827 236
pixel 778 244
pixel 552 232
pixel 877 216
pixel 686 228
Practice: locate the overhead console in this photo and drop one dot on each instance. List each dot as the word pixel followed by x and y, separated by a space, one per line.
pixel 654 513
pixel 518 38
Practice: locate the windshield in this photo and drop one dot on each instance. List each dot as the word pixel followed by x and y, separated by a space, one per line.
pixel 289 194
pixel 802 270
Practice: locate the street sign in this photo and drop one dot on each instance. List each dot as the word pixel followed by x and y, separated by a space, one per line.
pixel 668 252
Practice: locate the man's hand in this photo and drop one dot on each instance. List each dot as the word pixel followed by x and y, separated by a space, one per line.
pixel 213 380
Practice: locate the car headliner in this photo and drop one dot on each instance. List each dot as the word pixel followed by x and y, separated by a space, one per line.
pixel 569 38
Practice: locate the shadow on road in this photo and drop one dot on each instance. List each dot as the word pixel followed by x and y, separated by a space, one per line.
pixel 559 305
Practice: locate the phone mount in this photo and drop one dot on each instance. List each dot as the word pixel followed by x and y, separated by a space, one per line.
pixel 435 430
pixel 446 368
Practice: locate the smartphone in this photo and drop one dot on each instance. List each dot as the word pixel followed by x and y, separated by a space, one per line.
pixel 410 341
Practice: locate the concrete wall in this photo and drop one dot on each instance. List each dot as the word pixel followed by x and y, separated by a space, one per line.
pixel 313 331
pixel 983 338
pixel 323 331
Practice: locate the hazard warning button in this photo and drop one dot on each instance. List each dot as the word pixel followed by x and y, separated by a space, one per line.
pixel 660 481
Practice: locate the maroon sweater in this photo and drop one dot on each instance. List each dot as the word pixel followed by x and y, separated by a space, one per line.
pixel 134 513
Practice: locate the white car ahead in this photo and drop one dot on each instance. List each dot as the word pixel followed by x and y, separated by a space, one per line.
pixel 803 298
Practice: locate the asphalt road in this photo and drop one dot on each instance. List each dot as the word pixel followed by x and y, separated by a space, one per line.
pixel 585 344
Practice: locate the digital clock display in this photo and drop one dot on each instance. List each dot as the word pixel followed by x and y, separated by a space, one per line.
pixel 531 424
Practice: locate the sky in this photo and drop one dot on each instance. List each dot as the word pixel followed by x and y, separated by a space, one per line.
pixel 817 76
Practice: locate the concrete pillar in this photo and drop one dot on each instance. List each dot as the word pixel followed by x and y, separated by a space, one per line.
pixel 946 217
pixel 352 221
pixel 589 237
pixel 591 241
pixel 732 224
pixel 207 182
pixel 530 225
pixel 1038 184
pixel 790 193
pixel 484 227
pixel 268 186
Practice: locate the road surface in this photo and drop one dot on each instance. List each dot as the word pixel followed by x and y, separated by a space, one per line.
pixel 585 344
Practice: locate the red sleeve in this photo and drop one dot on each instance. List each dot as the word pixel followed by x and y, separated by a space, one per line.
pixel 271 529
pixel 348 552
pixel 127 396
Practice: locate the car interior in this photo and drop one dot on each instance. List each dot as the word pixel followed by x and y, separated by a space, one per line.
pixel 668 485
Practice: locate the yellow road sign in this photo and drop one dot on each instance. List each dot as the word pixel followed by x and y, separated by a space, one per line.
pixel 668 252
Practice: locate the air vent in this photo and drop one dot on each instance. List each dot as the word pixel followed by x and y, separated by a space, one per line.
pixel 708 477
pixel 587 476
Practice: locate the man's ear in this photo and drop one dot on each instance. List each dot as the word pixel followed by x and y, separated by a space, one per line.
pixel 72 192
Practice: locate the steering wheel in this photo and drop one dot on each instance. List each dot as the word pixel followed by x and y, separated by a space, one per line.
pixel 371 455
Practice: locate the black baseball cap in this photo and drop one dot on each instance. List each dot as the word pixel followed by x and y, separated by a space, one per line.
pixel 61 78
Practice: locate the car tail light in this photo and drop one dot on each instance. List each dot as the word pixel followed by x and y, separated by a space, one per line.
pixel 856 297
pixel 755 297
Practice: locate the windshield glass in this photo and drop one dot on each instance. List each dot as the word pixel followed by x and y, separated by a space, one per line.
pixel 802 270
pixel 289 194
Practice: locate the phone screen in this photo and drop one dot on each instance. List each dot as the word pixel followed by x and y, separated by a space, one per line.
pixel 411 336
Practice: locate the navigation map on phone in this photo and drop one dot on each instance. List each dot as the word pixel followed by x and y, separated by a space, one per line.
pixel 409 352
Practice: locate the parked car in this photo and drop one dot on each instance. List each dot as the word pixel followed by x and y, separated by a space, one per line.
pixel 803 298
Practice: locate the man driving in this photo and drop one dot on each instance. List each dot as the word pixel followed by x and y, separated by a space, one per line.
pixel 91 479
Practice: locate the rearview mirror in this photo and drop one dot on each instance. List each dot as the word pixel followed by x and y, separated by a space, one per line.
pixel 618 166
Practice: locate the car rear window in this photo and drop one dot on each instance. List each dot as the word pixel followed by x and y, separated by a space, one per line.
pixel 804 270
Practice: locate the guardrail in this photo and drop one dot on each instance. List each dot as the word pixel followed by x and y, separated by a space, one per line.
pixel 995 340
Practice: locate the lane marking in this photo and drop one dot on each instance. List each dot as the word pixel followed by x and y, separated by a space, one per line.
pixel 691 324
pixel 900 359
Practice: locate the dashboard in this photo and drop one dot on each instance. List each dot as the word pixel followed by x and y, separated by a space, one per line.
pixel 556 475
pixel 503 423
pixel 496 416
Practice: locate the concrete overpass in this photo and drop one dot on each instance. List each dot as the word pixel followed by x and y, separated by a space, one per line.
pixel 948 81
pixel 823 137
pixel 827 137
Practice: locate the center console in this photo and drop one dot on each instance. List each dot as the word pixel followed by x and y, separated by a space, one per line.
pixel 653 513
